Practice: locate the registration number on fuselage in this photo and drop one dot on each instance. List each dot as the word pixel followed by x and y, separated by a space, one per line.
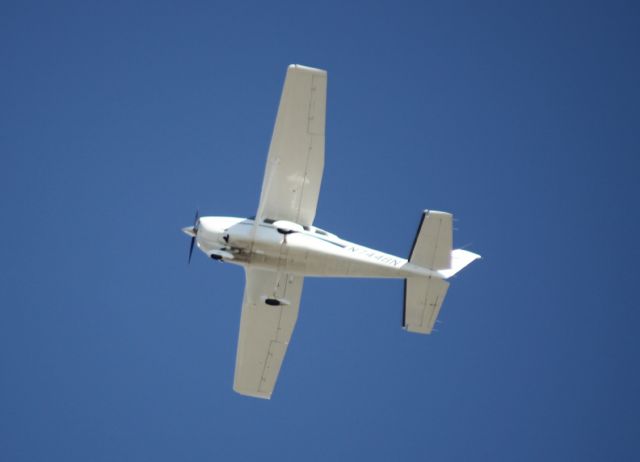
pixel 380 257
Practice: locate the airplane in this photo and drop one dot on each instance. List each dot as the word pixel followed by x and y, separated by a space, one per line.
pixel 280 246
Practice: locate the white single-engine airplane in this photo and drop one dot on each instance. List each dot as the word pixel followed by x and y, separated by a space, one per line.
pixel 280 246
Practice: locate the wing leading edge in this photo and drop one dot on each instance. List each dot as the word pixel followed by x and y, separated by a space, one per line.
pixel 295 162
pixel 265 330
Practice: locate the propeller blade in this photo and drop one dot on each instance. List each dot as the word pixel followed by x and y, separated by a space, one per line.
pixel 196 221
pixel 193 241
pixel 193 233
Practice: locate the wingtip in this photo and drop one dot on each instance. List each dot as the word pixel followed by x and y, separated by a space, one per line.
pixel 252 393
pixel 300 67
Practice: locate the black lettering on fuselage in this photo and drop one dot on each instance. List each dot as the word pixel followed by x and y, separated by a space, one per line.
pixel 372 254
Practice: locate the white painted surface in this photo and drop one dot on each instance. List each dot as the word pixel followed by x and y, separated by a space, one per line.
pixel 295 162
pixel 265 331
pixel 280 246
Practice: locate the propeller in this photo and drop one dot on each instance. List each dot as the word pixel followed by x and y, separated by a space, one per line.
pixel 194 230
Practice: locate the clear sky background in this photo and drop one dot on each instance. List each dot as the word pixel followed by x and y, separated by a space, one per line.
pixel 118 119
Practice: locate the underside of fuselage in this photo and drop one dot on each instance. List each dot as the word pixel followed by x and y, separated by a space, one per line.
pixel 309 252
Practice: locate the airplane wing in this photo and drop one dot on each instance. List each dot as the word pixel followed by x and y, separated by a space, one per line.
pixel 295 162
pixel 265 330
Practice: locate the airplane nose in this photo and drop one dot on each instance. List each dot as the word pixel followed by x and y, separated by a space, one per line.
pixel 189 231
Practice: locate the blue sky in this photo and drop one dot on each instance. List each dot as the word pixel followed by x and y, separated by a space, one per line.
pixel 117 120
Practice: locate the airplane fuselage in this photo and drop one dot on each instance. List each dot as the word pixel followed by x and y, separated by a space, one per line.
pixel 308 251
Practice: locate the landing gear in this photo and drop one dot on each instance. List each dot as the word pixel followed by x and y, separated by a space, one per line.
pixel 285 233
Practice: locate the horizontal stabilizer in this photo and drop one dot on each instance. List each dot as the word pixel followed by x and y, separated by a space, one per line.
pixel 423 298
pixel 432 246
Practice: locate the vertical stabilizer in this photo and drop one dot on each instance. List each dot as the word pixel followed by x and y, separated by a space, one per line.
pixel 459 260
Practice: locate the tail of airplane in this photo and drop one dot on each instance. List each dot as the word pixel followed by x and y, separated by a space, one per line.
pixel 431 249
